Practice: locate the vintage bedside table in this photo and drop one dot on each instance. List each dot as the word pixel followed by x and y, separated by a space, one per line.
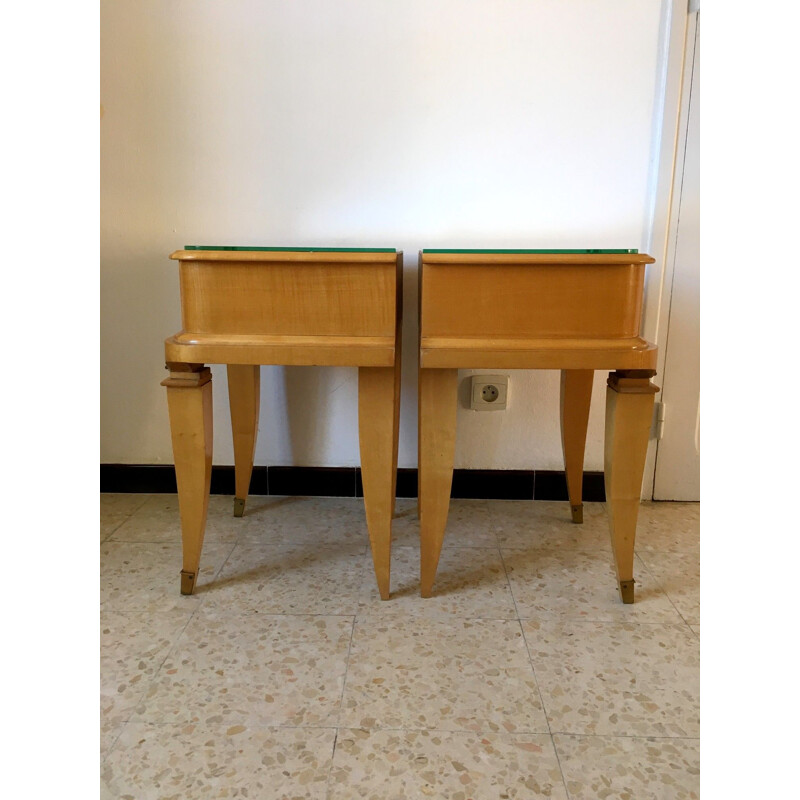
pixel 572 310
pixel 244 307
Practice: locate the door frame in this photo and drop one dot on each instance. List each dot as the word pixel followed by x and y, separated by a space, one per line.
pixel 679 21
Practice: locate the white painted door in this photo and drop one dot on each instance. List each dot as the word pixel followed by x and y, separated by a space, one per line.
pixel 677 468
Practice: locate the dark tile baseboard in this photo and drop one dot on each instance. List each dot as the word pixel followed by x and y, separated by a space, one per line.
pixel 489 484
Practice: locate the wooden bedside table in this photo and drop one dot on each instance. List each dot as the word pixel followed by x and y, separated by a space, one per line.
pixel 573 310
pixel 244 307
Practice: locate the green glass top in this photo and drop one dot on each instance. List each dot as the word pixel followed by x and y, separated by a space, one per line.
pixel 601 252
pixel 294 249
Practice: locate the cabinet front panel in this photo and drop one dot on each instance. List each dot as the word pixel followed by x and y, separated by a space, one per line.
pixel 537 301
pixel 300 299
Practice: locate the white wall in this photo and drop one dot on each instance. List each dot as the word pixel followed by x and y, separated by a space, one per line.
pixel 422 123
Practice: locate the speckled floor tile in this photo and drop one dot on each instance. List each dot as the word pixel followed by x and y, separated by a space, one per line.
pixel 146 576
pixel 158 520
pixel 121 503
pixel 545 523
pixel 188 762
pixel 112 723
pixel 582 584
pixel 439 697
pixel 116 509
pixel 445 674
pixel 470 583
pixel 470 523
pixel 618 679
pixel 604 767
pixel 252 670
pixel 678 575
pixel 302 520
pixel 278 579
pixel 398 765
pixel 133 646
pixel 669 527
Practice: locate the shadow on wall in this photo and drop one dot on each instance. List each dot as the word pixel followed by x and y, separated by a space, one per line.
pixel 309 415
pixel 319 417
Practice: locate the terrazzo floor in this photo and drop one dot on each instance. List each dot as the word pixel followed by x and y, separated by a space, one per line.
pixel 285 675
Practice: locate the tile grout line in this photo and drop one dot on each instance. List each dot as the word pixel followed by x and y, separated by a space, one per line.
pixel 113 530
pixel 533 671
pixel 124 521
pixel 586 551
pixel 552 617
pixel 341 703
pixel 330 768
pixel 657 581
pixel 629 736
pixel 364 570
pixel 456 732
pixel 169 652
pixel 128 517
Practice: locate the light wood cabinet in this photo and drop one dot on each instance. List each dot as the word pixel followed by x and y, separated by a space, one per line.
pixel 244 307
pixel 576 311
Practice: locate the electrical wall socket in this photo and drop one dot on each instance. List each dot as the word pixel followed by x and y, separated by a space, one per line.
pixel 489 392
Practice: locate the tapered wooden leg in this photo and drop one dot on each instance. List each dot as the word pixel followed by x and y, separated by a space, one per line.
pixel 190 418
pixel 376 426
pixel 438 403
pixel 629 411
pixel 419 444
pixel 244 393
pixel 576 397
pixel 396 428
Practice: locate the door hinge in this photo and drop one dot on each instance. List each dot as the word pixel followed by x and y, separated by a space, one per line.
pixel 661 415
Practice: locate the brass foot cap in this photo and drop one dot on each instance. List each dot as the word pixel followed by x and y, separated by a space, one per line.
pixel 626 591
pixel 238 507
pixel 577 513
pixel 187 582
